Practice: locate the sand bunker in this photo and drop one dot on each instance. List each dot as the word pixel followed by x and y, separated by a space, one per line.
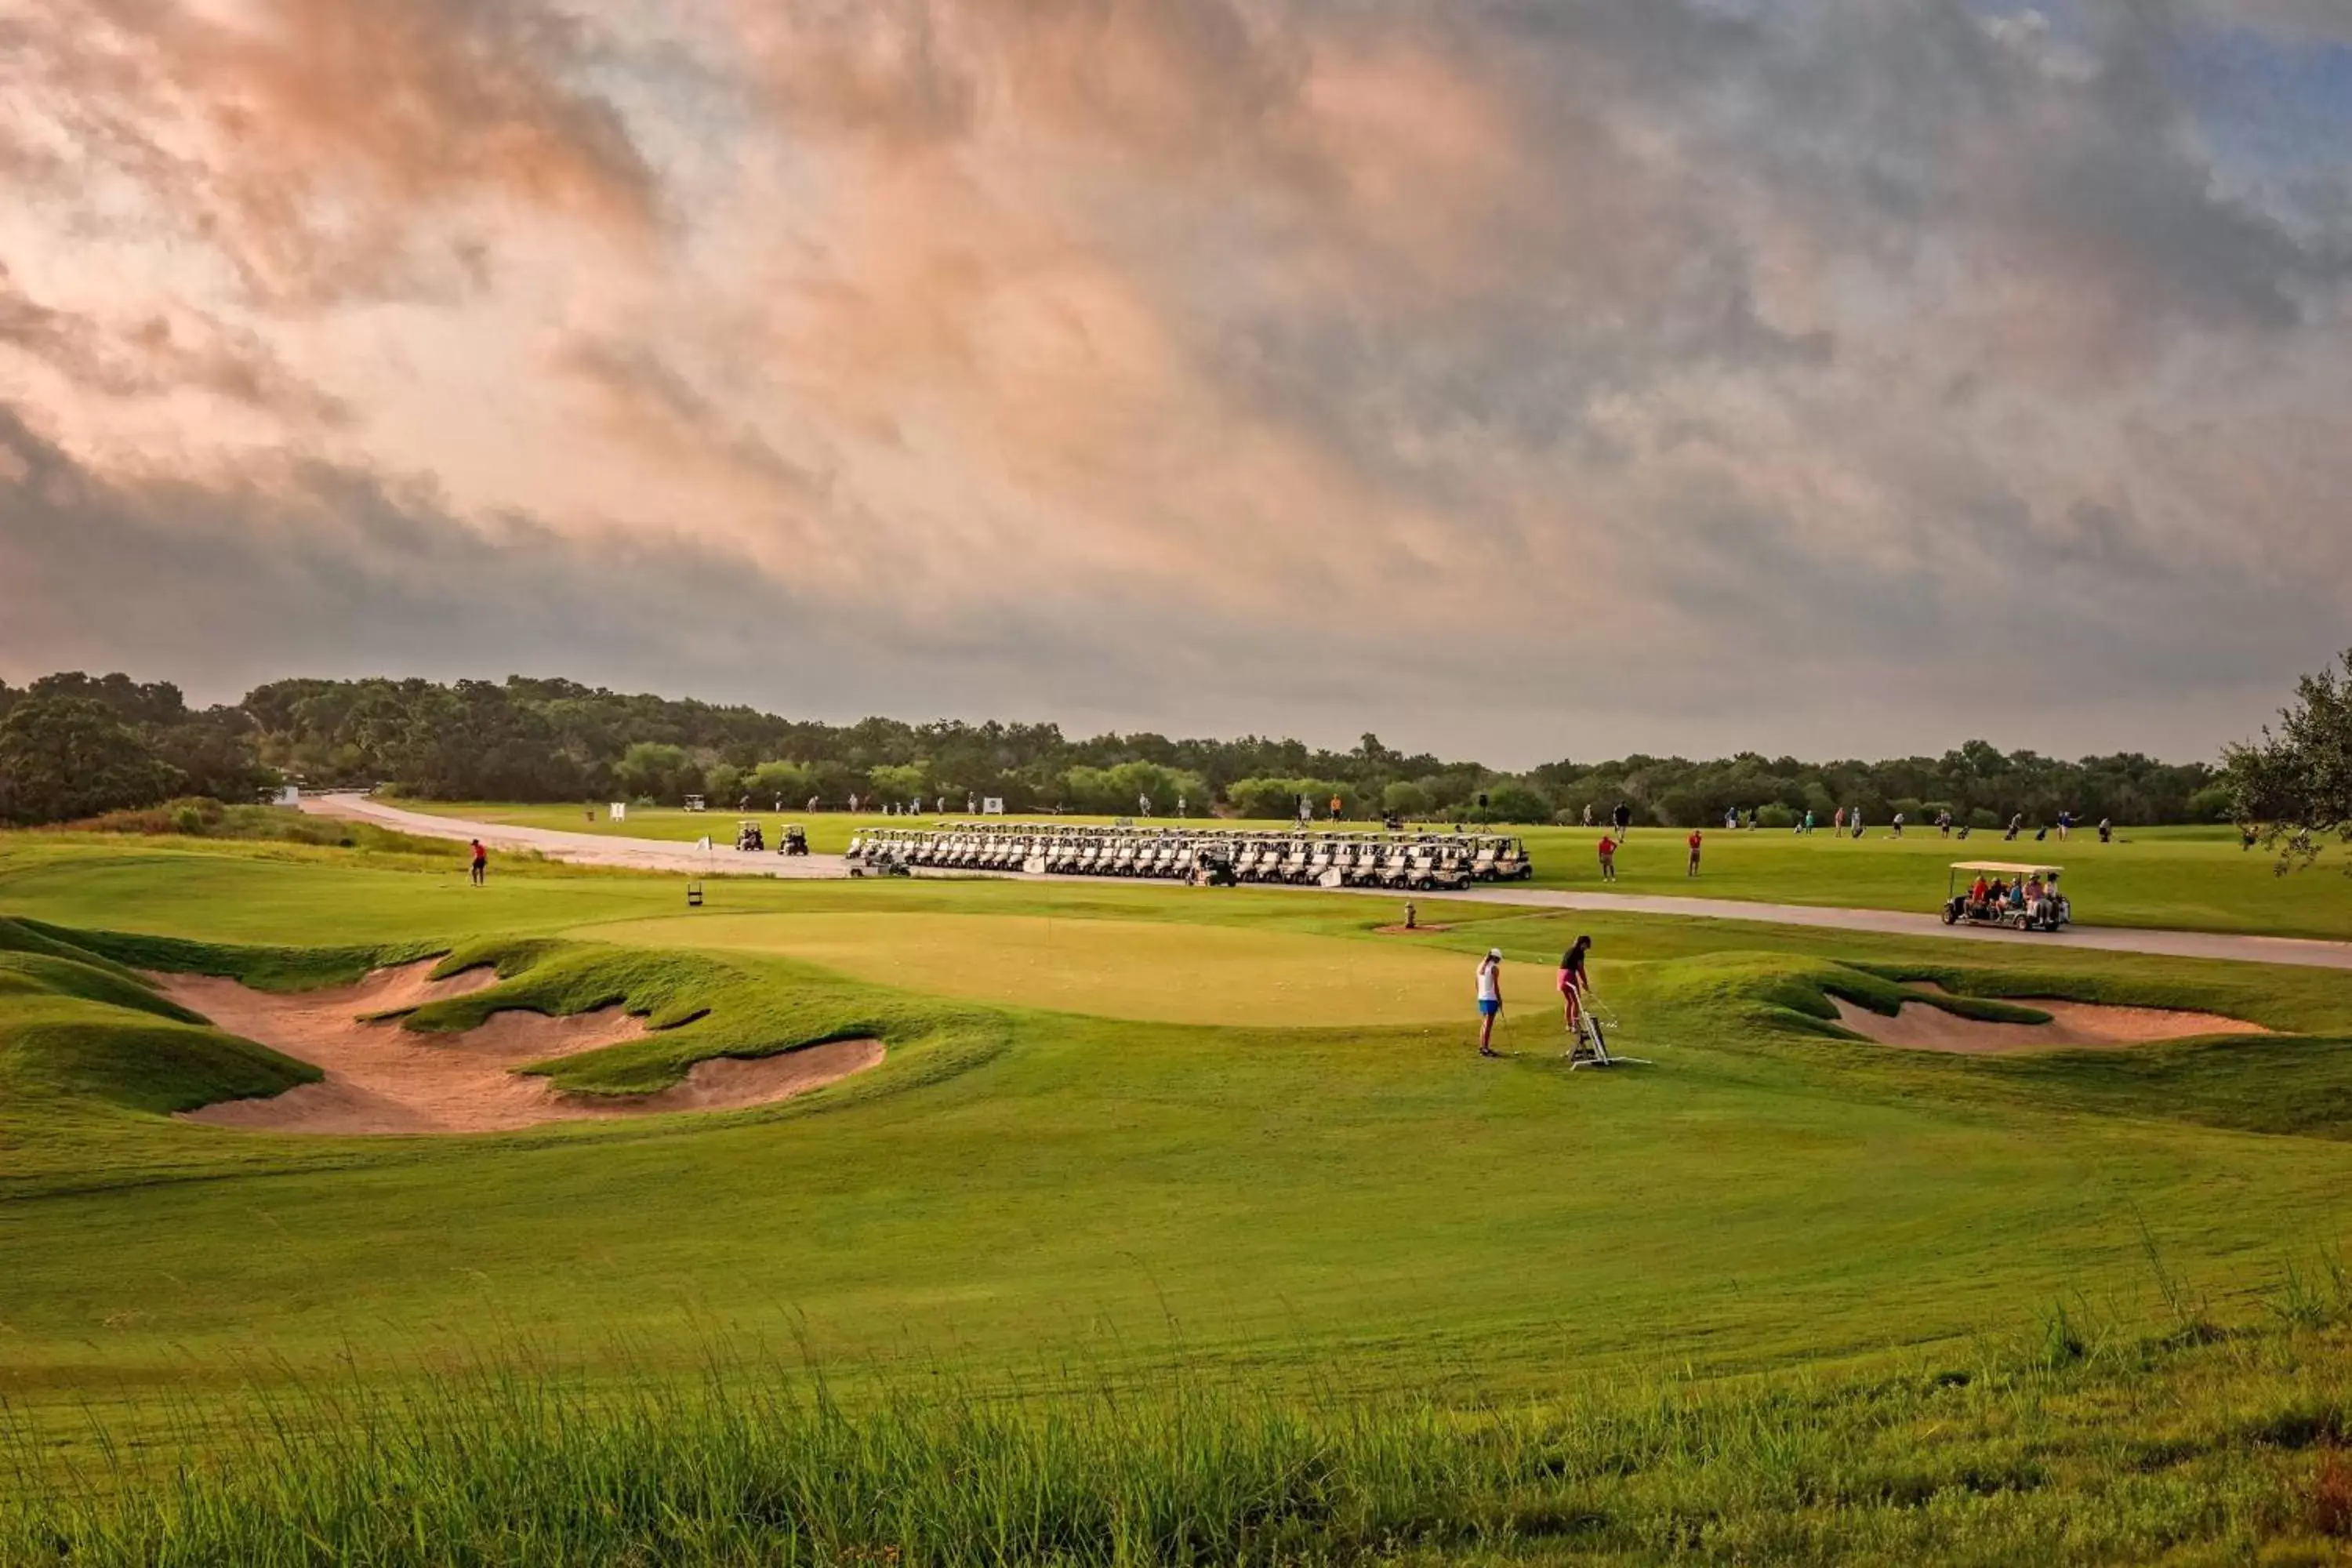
pixel 384 1079
pixel 2073 1027
pixel 1408 931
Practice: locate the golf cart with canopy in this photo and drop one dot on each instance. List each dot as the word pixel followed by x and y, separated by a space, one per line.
pixel 795 840
pixel 749 839
pixel 2021 895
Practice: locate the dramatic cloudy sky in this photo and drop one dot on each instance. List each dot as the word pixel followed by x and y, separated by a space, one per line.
pixel 1517 377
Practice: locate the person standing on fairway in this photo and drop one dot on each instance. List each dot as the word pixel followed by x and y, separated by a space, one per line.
pixel 481 863
pixel 1693 841
pixel 1608 858
pixel 1490 999
pixel 1572 982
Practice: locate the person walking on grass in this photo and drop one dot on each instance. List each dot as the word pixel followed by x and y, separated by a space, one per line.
pixel 1490 999
pixel 481 864
pixel 1572 982
pixel 1608 858
pixel 1694 839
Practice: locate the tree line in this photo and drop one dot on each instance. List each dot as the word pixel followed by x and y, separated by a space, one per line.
pixel 72 745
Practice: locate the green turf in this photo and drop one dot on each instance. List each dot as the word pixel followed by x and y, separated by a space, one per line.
pixel 1148 971
pixel 1027 1180
pixel 2189 879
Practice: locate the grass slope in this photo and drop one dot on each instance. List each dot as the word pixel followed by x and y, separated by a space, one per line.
pixel 1363 1207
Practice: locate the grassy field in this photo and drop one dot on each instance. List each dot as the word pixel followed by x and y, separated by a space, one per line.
pixel 1136 1146
pixel 2188 879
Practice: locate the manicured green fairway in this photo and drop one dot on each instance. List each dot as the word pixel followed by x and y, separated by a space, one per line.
pixel 1117 1121
pixel 1161 971
pixel 2189 878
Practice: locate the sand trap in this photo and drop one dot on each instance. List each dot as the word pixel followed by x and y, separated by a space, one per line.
pixel 383 1079
pixel 2073 1027
pixel 1408 931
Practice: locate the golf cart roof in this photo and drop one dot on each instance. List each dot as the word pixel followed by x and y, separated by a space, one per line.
pixel 2010 867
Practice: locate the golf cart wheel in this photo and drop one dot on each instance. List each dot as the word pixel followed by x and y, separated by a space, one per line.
pixel 1951 915
pixel 2023 922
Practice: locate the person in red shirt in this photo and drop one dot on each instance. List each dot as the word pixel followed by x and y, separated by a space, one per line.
pixel 1693 842
pixel 481 863
pixel 1608 858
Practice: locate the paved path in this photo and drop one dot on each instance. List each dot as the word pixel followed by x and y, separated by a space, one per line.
pixel 1898 923
pixel 722 860
pixel 667 854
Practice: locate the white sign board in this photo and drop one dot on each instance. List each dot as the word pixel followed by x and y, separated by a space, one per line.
pixel 991 805
pixel 290 796
pixel 619 810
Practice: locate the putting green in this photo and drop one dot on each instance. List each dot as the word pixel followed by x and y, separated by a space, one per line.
pixel 1153 970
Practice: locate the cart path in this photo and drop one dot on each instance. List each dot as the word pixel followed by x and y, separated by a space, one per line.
pixel 584 848
pixel 2301 952
pixel 667 854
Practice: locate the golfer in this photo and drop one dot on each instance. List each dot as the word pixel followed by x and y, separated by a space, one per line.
pixel 1608 847
pixel 481 863
pixel 1695 840
pixel 1572 982
pixel 1490 999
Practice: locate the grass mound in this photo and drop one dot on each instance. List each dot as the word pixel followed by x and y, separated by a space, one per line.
pixel 697 1007
pixel 153 1067
pixel 75 1025
pixel 2289 1084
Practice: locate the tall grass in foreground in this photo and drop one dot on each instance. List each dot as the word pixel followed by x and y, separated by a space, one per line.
pixel 2078 1447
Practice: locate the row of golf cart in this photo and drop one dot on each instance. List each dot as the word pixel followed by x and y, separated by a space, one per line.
pixel 1426 862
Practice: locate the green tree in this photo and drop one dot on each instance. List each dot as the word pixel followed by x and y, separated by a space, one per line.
pixel 1516 803
pixel 787 782
pixel 1277 799
pixel 656 772
pixel 2294 788
pixel 899 782
pixel 724 782
pixel 1408 800
pixel 65 758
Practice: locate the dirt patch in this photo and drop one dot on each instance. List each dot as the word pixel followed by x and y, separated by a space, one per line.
pixel 2073 1027
pixel 1408 931
pixel 383 1079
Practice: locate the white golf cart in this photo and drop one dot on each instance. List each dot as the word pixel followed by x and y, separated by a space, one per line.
pixel 2008 897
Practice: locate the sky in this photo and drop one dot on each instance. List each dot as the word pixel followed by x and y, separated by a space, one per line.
pixel 1517 379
